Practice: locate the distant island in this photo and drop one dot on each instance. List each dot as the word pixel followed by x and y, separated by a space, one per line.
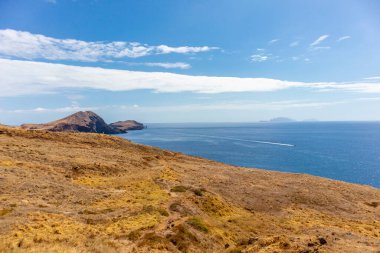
pixel 88 122
pixel 127 125
pixel 278 120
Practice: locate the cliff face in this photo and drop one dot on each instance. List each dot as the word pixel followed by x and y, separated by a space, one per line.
pixel 77 122
pixel 127 125
pixel 69 192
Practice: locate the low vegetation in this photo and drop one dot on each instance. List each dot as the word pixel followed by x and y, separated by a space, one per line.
pixel 198 224
pixel 76 192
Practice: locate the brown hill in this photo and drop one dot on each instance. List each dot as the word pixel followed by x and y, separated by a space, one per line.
pixel 70 192
pixel 77 122
pixel 127 125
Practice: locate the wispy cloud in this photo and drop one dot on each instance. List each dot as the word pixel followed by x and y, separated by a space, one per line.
pixel 59 109
pixel 319 40
pixel 260 55
pixel 224 105
pixel 372 78
pixel 320 48
pixel 238 105
pixel 166 65
pixel 294 44
pixel 26 77
pixel 163 49
pixel 369 99
pixel 51 1
pixel 26 45
pixel 343 38
pixel 273 41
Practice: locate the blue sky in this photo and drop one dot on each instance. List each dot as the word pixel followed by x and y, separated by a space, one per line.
pixel 190 61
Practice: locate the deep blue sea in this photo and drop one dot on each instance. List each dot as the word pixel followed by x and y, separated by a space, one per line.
pixel 348 151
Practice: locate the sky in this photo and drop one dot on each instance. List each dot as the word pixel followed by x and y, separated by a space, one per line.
pixel 190 60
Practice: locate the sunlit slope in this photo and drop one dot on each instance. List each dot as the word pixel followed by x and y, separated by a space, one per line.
pixel 81 192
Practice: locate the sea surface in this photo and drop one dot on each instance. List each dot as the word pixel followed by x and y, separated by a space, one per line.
pixel 348 151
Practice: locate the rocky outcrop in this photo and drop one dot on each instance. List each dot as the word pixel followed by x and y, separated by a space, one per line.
pixel 127 125
pixel 88 122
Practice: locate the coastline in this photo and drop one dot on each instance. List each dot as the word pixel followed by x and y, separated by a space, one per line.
pixel 64 190
pixel 326 149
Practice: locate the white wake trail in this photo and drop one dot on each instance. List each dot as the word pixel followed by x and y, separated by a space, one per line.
pixel 237 139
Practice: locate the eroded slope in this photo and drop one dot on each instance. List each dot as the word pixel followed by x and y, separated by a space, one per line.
pixel 74 192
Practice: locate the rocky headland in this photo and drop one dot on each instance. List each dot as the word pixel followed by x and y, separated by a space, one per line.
pixel 88 122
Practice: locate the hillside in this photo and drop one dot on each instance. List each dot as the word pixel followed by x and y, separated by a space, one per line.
pixel 84 192
pixel 88 122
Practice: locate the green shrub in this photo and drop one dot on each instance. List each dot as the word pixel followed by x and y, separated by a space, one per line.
pixel 163 212
pixel 179 188
pixel 134 235
pixel 199 192
pixel 197 224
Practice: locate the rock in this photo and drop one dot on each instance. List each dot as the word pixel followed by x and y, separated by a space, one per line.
pixel 87 121
pixel 322 241
pixel 127 125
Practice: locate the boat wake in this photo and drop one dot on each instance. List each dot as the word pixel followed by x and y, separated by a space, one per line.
pixel 237 139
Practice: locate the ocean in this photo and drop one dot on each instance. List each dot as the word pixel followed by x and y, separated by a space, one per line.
pixel 347 151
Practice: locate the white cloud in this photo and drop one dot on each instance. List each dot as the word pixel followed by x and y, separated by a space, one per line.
pixel 259 57
pixel 319 40
pixel 294 44
pixel 27 77
pixel 166 65
pixel 273 41
pixel 163 49
pixel 26 45
pixel 373 78
pixel 343 38
pixel 51 1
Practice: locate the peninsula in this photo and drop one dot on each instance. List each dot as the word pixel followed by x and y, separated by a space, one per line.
pixel 88 122
pixel 89 192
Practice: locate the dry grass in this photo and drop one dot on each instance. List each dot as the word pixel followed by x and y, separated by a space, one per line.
pixel 64 192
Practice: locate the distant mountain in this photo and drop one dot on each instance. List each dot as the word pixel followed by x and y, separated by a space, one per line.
pixel 279 120
pixel 78 122
pixel 127 125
